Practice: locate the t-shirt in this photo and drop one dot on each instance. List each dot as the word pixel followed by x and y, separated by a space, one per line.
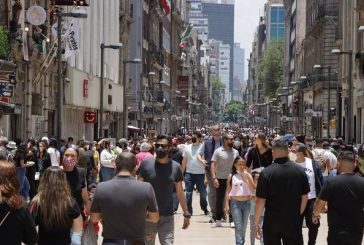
pixel 76 180
pixel 124 211
pixel 59 236
pixel 162 177
pixel 282 184
pixel 310 172
pixel 193 165
pixel 224 161
pixel 55 156
pixel 82 158
pixel 344 195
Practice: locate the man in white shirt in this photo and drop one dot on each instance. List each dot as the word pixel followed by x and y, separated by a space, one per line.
pixel 194 167
pixel 53 152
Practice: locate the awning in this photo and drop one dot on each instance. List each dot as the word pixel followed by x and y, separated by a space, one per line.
pixel 7 104
pixel 133 128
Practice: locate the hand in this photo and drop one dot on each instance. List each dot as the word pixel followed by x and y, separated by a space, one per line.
pixel 186 223
pixel 258 232
pixel 216 183
pixel 204 162
pixel 316 219
pixel 227 209
pixel 205 181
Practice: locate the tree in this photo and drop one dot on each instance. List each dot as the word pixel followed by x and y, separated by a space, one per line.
pixel 270 68
pixel 4 42
pixel 233 110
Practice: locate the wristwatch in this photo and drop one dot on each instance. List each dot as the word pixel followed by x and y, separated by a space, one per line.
pixel 188 216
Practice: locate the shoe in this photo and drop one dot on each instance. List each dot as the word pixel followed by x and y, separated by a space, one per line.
pixel 206 212
pixel 212 220
pixel 232 225
pixel 217 224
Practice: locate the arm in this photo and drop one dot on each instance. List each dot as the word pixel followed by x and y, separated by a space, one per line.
pixel 77 224
pixel 153 217
pixel 304 199
pixel 318 207
pixel 184 163
pixel 259 206
pixel 213 174
pixel 250 181
pixel 227 198
pixel 182 201
pixel 328 165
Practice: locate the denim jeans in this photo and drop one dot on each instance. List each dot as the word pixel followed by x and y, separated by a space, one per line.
pixel 211 194
pixel 252 230
pixel 190 181
pixel 240 212
pixel 107 173
pixel 23 182
pixel 312 228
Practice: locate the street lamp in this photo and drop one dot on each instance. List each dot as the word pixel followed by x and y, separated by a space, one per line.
pixel 329 94
pixel 101 109
pixel 59 14
pixel 125 101
pixel 141 89
pixel 350 94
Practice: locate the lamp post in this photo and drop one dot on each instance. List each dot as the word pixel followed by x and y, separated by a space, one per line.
pixel 141 89
pixel 329 94
pixel 125 100
pixel 350 94
pixel 59 66
pixel 101 109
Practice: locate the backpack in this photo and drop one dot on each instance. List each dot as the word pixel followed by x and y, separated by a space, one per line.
pixel 320 159
pixel 10 156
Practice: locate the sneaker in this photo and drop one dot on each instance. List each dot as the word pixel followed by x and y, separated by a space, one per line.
pixel 232 225
pixel 217 224
pixel 212 220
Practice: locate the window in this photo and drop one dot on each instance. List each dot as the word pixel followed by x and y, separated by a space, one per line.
pixel 281 16
pixel 274 14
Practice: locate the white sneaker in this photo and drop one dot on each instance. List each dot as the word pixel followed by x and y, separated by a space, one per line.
pixel 232 225
pixel 217 224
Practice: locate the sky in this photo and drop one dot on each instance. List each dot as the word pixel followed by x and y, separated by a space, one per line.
pixel 247 14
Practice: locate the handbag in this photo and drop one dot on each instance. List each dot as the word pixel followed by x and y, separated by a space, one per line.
pixel 89 236
pixel 4 218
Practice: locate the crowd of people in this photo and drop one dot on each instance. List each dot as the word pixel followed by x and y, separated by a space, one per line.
pixel 135 187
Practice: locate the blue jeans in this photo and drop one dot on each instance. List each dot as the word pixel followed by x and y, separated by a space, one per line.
pixel 240 212
pixel 190 181
pixel 252 230
pixel 107 173
pixel 23 182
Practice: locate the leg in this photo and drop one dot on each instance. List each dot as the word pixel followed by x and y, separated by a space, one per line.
pixel 220 194
pixel 211 194
pixel 245 216
pixel 294 237
pixel 261 219
pixel 151 230
pixel 349 236
pixel 189 190
pixel 252 230
pixel 236 212
pixel 271 238
pixel 166 230
pixel 312 228
pixel 202 190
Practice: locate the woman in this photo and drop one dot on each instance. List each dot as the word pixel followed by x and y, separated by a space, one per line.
pixel 55 211
pixel 239 190
pixel 16 224
pixel 95 162
pixel 43 157
pixel 32 157
pixel 261 154
pixel 20 160
pixel 107 160
pixel 54 153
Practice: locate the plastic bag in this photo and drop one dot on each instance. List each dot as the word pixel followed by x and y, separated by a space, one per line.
pixel 89 236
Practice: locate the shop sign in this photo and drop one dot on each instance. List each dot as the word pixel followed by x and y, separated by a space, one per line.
pixel 90 117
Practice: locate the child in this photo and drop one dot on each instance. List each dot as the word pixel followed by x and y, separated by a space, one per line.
pixel 239 189
pixel 255 175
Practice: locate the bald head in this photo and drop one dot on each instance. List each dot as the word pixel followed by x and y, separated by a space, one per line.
pixel 125 161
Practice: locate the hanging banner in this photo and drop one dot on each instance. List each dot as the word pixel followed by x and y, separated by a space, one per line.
pixel 72 39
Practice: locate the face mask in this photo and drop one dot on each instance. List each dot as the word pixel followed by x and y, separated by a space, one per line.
pixel 69 162
pixel 237 143
pixel 161 153
pixel 292 156
pixel 194 139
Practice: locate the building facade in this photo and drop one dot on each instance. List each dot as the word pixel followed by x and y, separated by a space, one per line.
pixel 239 69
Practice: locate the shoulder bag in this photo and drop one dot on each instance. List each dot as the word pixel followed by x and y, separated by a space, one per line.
pixel 3 220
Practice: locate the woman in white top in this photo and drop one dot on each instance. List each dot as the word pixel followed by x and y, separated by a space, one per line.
pixel 54 153
pixel 239 190
pixel 107 161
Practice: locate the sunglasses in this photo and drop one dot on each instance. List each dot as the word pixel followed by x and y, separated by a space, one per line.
pixel 161 145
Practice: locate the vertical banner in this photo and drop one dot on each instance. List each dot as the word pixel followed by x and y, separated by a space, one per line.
pixel 72 39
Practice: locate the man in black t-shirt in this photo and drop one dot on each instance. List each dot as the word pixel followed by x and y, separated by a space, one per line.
pixel 282 189
pixel 344 195
pixel 114 202
pixel 163 173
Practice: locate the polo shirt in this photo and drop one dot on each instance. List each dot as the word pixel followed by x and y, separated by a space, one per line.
pixel 224 161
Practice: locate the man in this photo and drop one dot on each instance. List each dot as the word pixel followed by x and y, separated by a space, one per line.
pixel 221 164
pixel 113 201
pixel 316 181
pixel 344 195
pixel 209 148
pixel 282 189
pixel 164 173
pixel 324 158
pixel 194 166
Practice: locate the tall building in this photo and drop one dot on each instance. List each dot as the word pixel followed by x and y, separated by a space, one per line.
pixel 199 20
pixel 238 73
pixel 220 14
pixel 275 21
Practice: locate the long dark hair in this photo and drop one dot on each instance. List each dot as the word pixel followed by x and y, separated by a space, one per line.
pixel 233 168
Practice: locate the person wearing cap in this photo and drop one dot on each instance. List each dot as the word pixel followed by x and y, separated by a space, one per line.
pixel 282 189
pixel 316 181
pixel 344 196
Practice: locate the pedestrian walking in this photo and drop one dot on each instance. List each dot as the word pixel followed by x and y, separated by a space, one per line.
pixel 344 196
pixel 255 176
pixel 107 160
pixel 163 173
pixel 239 189
pixel 282 189
pixel 194 166
pixel 261 154
pixel 113 201
pixel 55 211
pixel 316 181
pixel 221 164
pixel 16 224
